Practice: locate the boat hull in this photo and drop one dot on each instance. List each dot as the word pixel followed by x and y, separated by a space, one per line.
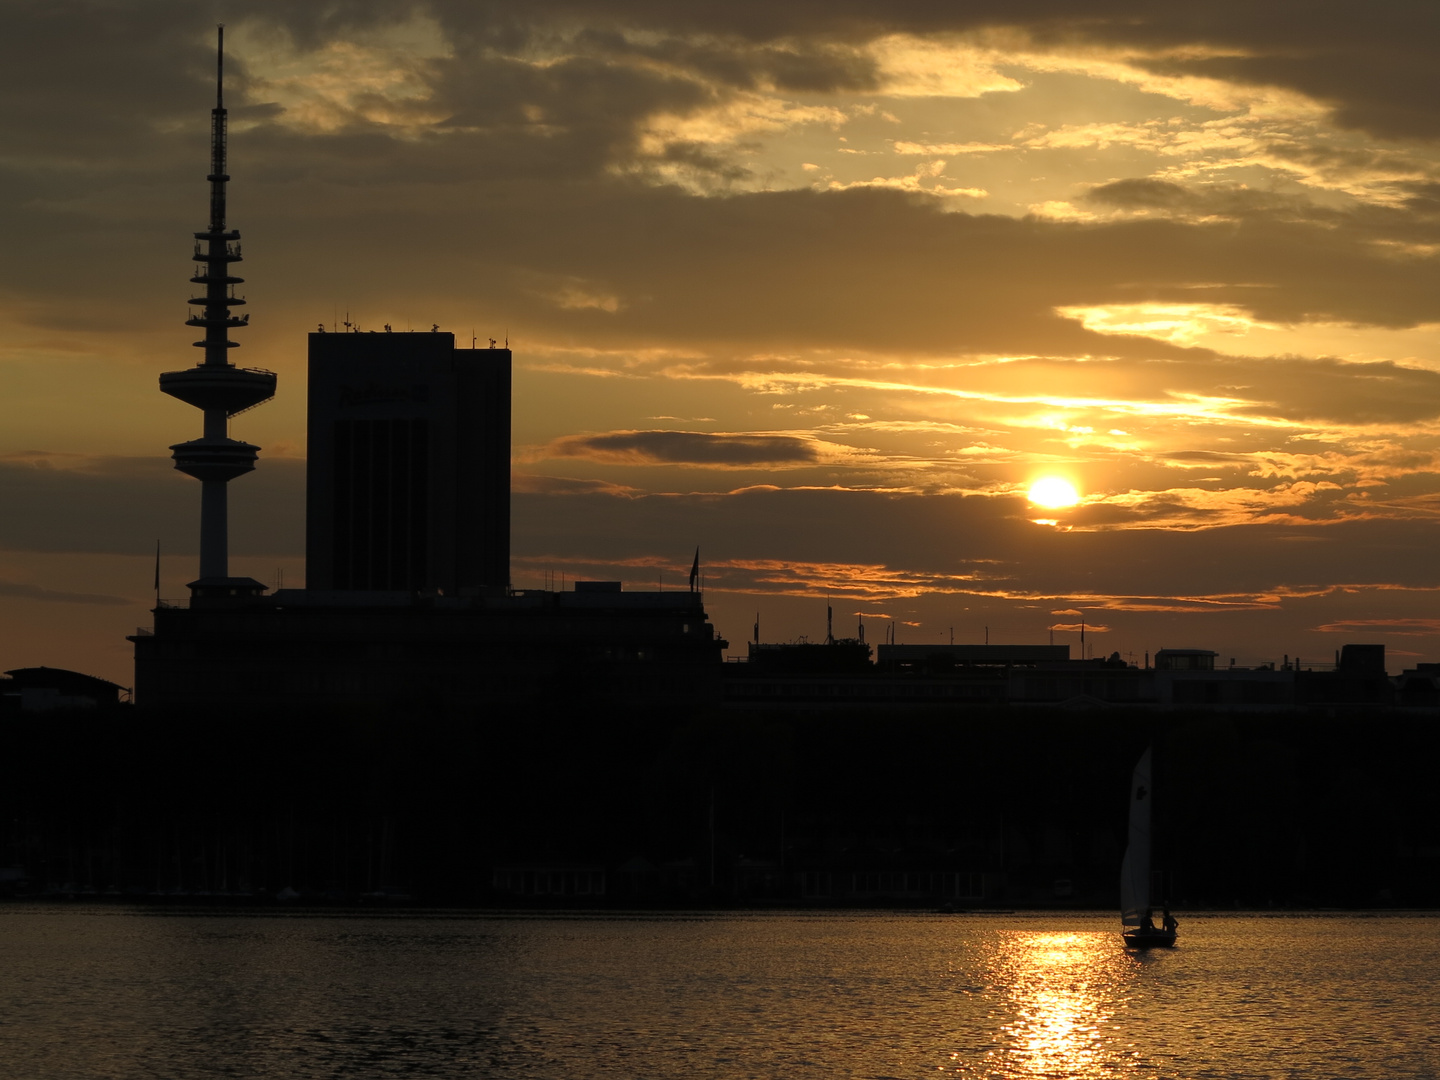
pixel 1149 939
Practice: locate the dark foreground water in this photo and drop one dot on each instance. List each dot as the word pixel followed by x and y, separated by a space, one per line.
pixel 98 992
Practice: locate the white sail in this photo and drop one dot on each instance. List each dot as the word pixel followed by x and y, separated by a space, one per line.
pixel 1135 870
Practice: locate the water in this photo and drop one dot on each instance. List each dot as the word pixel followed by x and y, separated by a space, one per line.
pixel 97 992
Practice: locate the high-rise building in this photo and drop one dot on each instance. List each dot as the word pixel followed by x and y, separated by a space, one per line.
pixel 408 474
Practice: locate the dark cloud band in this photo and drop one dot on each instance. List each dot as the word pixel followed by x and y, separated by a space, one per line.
pixel 687 448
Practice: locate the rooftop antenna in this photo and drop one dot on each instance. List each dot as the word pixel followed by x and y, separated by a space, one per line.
pixel 757 628
pixel 216 386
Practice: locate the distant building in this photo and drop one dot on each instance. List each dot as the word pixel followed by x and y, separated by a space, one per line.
pixel 408 468
pixel 1185 660
pixel 1418 686
pixel 960 676
pixel 940 658
pixel 846 654
pixel 46 689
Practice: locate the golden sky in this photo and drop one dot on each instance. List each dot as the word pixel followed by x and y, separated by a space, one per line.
pixel 822 287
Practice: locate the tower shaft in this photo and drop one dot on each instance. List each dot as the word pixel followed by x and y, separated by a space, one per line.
pixel 216 386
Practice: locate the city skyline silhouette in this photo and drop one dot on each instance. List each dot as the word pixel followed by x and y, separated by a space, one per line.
pixel 833 321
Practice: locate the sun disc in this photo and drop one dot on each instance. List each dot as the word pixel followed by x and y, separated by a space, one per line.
pixel 1053 492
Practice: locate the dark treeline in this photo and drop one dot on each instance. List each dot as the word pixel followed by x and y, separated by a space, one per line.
pixel 1251 810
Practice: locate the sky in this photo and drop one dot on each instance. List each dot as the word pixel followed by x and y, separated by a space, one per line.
pixel 825 289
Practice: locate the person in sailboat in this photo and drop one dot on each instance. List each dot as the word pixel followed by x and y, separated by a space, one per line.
pixel 1168 922
pixel 1147 924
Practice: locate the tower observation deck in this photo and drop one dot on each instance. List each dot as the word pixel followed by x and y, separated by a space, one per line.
pixel 216 386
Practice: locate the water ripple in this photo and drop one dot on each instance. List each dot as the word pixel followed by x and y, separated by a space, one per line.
pixel 99 993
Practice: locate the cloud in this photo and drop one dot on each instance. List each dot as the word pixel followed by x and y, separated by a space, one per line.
pixel 971 562
pixel 687 447
pixel 914 543
pixel 114 505
pixel 1362 627
pixel 22 591
pixel 546 157
pixel 1289 394
pixel 533 484
pixel 1372 67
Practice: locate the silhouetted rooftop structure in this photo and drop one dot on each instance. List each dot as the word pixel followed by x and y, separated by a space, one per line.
pixel 307 648
pixel 1185 660
pixel 944 657
pixel 1362 661
pixel 45 689
pixel 844 654
pixel 957 676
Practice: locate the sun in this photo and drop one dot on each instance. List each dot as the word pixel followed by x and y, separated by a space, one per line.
pixel 1053 492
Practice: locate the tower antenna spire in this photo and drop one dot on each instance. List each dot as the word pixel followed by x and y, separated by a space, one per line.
pixel 216 386
pixel 218 125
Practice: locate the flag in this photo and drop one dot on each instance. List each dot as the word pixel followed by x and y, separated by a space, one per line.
pixel 695 569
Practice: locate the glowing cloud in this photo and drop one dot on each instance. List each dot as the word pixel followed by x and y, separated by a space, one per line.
pixel 1181 324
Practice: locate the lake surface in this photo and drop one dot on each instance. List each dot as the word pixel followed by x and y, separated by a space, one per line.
pixel 116 993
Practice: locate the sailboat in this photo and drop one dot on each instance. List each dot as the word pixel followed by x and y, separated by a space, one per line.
pixel 1136 915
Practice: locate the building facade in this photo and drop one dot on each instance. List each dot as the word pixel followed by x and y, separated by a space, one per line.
pixel 307 649
pixel 408 474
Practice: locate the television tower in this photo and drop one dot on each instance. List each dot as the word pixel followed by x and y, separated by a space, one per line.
pixel 216 386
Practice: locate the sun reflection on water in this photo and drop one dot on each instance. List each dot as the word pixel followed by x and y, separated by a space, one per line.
pixel 1055 1000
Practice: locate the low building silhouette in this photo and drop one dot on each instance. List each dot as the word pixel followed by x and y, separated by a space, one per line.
pixel 310 648
pixel 811 658
pixel 805 676
pixel 47 689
